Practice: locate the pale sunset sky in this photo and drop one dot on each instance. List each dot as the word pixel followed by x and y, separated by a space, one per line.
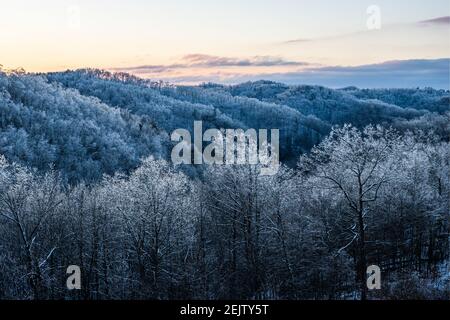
pixel 334 43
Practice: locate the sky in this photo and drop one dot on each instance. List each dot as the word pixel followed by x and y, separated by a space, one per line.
pixel 328 42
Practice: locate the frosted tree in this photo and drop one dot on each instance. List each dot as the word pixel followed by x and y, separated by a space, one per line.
pixel 27 204
pixel 154 205
pixel 356 165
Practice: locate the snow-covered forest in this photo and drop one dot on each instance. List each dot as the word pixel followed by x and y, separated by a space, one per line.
pixel 86 179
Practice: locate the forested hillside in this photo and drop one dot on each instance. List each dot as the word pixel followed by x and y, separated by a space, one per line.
pixel 89 122
pixel 86 179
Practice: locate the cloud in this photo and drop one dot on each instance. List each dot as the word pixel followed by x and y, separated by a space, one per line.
pixel 441 21
pixel 209 61
pixel 395 74
pixel 395 66
pixel 150 68
pixel 392 74
pixel 301 40
pixel 202 60
pixel 331 37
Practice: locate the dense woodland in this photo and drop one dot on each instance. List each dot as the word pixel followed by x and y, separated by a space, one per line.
pixel 86 179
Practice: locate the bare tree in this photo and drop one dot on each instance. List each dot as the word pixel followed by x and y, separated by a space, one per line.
pixel 356 165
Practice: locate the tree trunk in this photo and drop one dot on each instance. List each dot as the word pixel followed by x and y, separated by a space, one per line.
pixel 362 256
